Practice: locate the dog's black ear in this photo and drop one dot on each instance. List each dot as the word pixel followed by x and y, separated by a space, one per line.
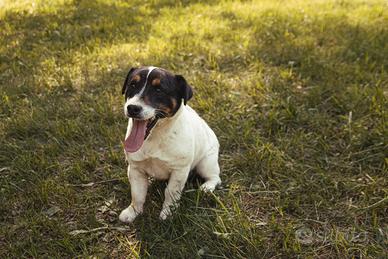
pixel 185 89
pixel 127 79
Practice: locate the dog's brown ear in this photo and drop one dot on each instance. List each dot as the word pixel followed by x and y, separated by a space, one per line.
pixel 127 80
pixel 185 89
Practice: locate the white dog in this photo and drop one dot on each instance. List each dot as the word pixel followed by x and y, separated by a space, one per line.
pixel 165 138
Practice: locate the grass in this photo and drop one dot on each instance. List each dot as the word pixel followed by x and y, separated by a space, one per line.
pixel 296 92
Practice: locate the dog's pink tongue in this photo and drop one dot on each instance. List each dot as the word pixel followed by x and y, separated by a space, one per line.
pixel 136 138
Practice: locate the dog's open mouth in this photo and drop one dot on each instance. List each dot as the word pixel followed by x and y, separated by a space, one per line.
pixel 140 131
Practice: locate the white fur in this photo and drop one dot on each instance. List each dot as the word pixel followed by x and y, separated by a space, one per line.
pixel 145 83
pixel 175 146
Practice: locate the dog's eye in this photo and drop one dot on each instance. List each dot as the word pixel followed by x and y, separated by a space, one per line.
pixel 160 92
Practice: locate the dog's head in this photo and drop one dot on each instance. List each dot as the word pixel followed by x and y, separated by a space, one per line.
pixel 151 93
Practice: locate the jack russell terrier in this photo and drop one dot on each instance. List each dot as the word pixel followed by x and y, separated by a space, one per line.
pixel 165 138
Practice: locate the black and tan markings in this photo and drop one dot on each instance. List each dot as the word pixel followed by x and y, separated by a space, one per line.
pixel 163 90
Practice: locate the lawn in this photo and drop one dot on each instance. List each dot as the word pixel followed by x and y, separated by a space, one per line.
pixel 296 92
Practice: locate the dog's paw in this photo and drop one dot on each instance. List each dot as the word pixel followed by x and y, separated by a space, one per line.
pixel 128 215
pixel 208 187
pixel 165 213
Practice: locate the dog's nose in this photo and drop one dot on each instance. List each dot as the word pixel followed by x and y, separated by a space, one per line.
pixel 133 110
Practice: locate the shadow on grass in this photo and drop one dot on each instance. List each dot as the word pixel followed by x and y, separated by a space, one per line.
pixel 320 70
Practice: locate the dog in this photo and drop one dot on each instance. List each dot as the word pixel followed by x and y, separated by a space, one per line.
pixel 165 138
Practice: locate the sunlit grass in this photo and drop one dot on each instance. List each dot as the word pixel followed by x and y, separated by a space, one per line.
pixel 295 91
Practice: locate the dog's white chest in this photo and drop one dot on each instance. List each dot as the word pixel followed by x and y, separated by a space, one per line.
pixel 153 167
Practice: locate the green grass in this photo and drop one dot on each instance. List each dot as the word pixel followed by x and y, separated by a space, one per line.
pixel 296 92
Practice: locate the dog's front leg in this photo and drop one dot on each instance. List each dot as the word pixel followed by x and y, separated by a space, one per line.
pixel 139 185
pixel 173 191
